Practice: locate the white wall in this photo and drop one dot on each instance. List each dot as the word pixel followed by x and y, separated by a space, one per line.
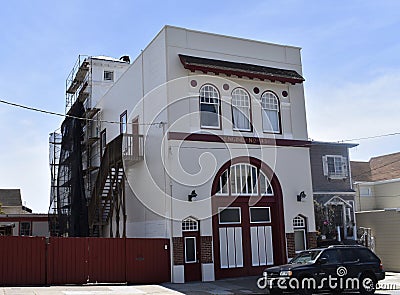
pixel 196 163
pixel 182 41
pixel 384 194
pixel 384 225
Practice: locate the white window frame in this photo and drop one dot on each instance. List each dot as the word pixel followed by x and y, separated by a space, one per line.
pixel 103 140
pixel 123 123
pixel 193 225
pixel 241 104
pixel 106 77
pixel 30 228
pixel 269 214
pixel 203 100
pixel 227 184
pixel 305 238
pixel 338 160
pixel 299 222
pixel 231 176
pixel 229 208
pixel 267 185
pixel 195 250
pixel 300 225
pixel 270 102
pixel 368 189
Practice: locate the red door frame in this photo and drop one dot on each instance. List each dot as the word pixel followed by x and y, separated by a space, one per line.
pixel 277 218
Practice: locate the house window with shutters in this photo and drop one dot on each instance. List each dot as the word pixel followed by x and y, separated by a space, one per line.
pixel 335 167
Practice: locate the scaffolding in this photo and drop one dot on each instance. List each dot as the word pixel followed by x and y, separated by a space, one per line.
pixel 71 155
pixel 55 139
pixel 87 179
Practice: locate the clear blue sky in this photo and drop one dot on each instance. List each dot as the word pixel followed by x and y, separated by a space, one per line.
pixel 351 62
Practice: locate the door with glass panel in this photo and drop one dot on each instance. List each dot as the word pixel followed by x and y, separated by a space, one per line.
pixel 191 248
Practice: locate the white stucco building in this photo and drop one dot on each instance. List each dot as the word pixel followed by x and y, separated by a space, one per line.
pixel 214 153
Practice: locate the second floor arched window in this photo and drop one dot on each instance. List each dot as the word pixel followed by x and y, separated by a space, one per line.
pixel 240 109
pixel 209 107
pixel 270 112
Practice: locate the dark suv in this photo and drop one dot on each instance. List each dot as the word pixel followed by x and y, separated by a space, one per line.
pixel 336 268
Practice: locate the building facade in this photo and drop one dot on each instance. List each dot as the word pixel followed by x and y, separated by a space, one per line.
pixel 377 185
pixel 334 197
pixel 18 220
pixel 203 140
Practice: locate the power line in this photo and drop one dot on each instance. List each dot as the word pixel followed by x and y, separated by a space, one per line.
pixel 66 115
pixel 371 137
pixel 156 123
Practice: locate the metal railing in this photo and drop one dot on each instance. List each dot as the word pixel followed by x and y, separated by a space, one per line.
pixel 132 148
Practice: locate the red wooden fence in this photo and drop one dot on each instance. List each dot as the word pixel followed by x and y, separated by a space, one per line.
pixel 33 261
pixel 147 261
pixel 22 261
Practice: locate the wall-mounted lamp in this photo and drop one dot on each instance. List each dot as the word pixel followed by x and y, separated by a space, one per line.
pixel 302 195
pixel 192 195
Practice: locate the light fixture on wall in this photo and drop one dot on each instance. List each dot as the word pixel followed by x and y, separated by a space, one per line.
pixel 192 195
pixel 301 196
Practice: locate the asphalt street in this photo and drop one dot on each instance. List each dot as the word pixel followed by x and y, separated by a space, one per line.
pixel 247 285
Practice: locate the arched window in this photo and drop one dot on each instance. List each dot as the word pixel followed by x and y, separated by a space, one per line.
pixel 244 180
pixel 270 112
pixel 300 233
pixel 209 107
pixel 240 109
pixel 190 224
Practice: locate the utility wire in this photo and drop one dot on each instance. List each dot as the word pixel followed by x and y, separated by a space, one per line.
pixel 370 137
pixel 156 123
pixel 66 115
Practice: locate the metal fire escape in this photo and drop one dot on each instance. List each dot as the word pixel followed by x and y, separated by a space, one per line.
pixel 108 196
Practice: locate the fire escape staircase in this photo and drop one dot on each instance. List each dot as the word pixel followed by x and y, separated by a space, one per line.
pixel 108 194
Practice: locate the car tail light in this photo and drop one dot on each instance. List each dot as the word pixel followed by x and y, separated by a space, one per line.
pixel 380 266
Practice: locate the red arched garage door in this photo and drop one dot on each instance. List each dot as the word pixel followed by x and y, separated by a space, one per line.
pixel 248 221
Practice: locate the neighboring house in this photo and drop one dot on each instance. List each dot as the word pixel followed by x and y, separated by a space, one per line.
pixel 11 202
pixel 18 220
pixel 377 184
pixel 334 196
pixel 30 224
pixel 202 140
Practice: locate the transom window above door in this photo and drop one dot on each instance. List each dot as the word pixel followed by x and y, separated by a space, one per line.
pixel 244 180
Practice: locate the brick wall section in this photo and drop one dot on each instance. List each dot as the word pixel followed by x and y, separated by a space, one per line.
pixel 291 250
pixel 177 243
pixel 311 239
pixel 206 249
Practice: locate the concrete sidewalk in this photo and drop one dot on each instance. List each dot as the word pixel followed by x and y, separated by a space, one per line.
pixel 246 285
